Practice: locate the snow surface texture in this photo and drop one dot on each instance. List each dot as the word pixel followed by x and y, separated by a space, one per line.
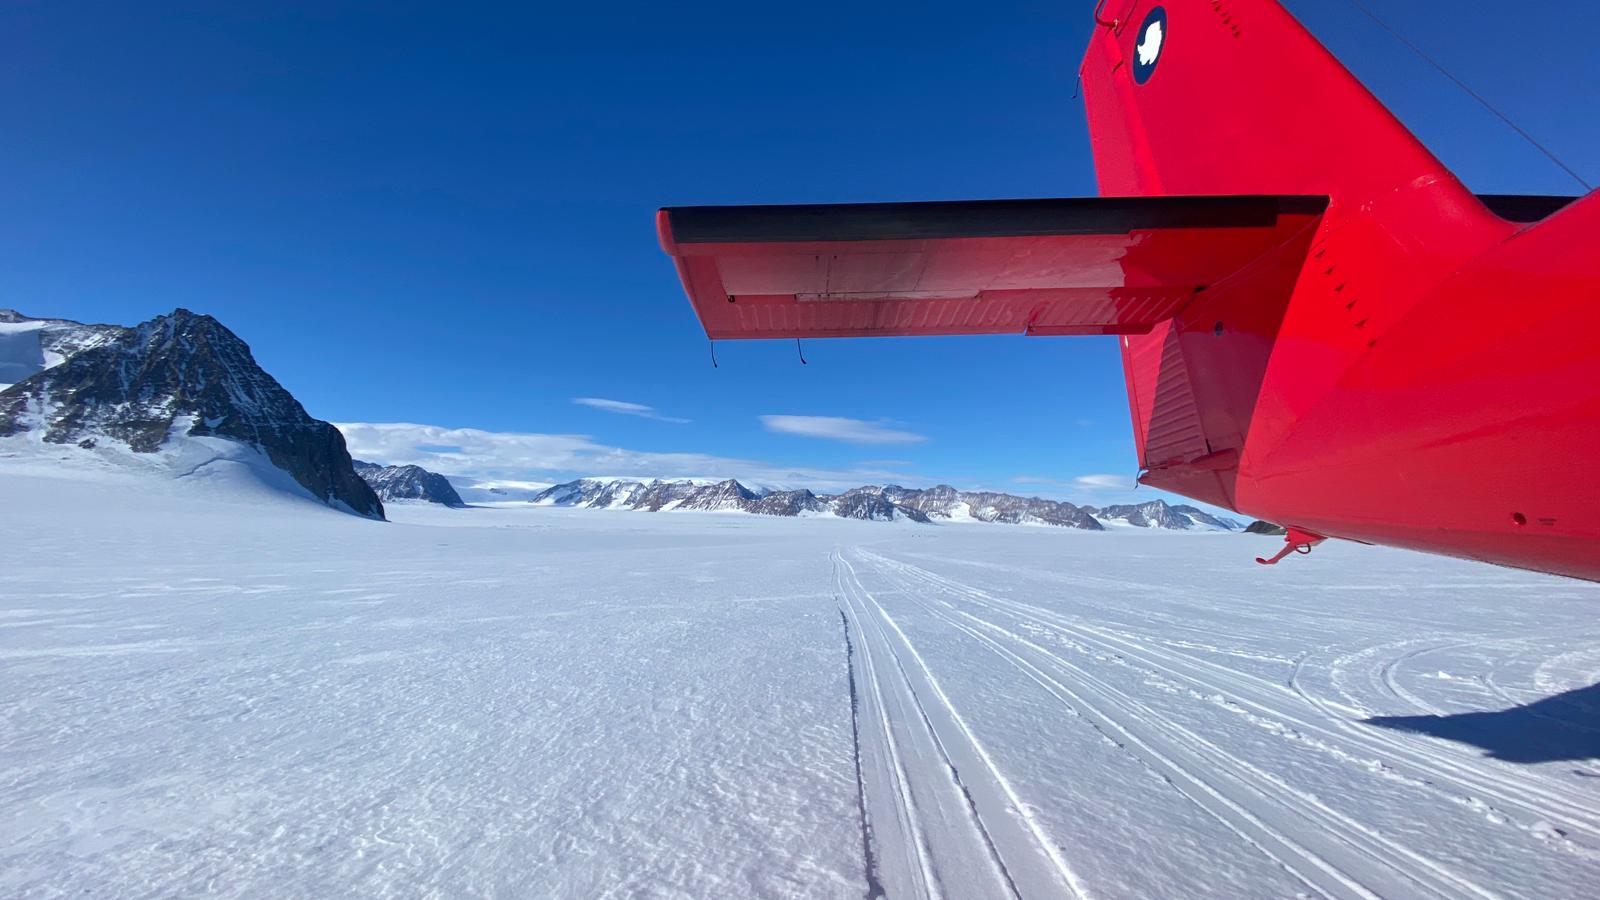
pixel 268 698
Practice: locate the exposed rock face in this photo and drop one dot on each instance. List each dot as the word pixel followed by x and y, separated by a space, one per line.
pixel 1260 527
pixel 408 483
pixel 570 493
pixel 1158 514
pixel 138 385
pixel 727 495
pixel 659 495
pixel 617 493
pixel 871 504
pixel 788 503
pixel 945 502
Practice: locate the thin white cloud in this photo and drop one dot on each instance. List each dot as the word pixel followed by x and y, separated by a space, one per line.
pixel 837 428
pixel 1082 482
pixel 1105 482
pixel 473 455
pixel 623 407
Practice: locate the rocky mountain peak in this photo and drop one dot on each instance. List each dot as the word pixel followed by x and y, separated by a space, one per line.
pixel 186 372
pixel 724 495
pixel 788 503
pixel 408 483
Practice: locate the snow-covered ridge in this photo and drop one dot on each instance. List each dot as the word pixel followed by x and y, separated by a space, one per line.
pixel 28 346
pixel 1159 514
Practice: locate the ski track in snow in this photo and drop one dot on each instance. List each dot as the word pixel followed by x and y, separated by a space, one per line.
pixel 1330 853
pixel 959 826
pixel 282 701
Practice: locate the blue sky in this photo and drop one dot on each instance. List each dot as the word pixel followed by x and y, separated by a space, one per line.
pixel 442 215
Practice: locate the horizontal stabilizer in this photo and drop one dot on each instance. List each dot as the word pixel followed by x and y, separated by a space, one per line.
pixel 1103 265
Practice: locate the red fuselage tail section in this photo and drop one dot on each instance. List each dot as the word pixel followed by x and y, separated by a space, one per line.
pixel 1261 398
pixel 1194 97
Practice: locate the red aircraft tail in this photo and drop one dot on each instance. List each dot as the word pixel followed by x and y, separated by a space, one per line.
pixel 1200 97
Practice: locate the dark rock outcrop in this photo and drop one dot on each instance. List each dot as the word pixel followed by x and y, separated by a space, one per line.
pixel 1260 527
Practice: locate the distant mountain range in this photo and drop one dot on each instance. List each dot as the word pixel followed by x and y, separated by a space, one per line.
pixel 184 375
pixel 875 503
pixel 724 496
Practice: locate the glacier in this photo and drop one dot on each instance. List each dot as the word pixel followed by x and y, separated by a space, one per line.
pixel 219 684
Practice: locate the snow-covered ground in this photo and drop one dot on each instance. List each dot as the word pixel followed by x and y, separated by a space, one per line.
pixel 215 688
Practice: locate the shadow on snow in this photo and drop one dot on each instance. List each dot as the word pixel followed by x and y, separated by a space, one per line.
pixel 1563 727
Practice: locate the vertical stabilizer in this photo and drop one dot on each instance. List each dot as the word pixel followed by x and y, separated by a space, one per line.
pixel 1236 97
